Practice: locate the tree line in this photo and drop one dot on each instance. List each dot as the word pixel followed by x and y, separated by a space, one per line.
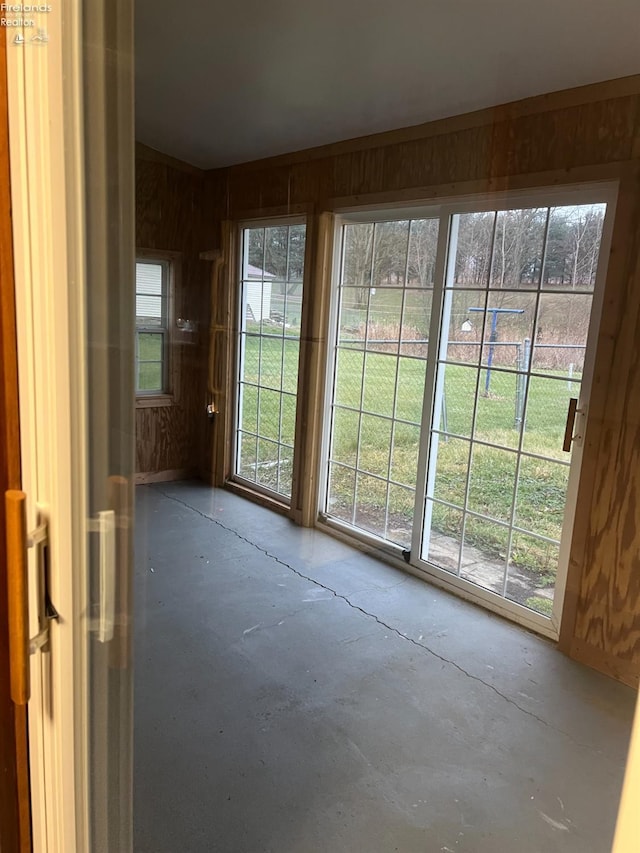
pixel 505 249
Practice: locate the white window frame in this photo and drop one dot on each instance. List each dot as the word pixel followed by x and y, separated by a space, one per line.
pixel 170 262
pixel 583 193
pixel 242 226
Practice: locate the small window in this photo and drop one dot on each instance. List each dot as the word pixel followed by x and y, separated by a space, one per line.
pixel 152 327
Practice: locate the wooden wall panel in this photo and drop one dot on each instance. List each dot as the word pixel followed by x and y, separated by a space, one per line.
pixel 608 605
pixel 170 210
pixel 586 134
pixel 162 439
pixel 513 141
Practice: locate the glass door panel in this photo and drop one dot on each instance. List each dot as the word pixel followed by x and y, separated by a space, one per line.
pixel 381 343
pixel 459 342
pixel 515 319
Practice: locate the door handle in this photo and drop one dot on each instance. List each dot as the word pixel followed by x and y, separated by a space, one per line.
pixel 107 532
pixel 21 646
pixel 113 560
pixel 569 437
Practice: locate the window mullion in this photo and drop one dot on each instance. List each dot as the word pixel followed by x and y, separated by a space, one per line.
pixel 445 257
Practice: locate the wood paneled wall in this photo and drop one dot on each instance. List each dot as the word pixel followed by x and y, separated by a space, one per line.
pixel 586 134
pixel 169 217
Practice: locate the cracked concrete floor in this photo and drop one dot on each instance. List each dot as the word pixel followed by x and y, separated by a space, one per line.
pixel 293 695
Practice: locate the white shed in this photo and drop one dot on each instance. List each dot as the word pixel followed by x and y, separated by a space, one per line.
pixel 257 293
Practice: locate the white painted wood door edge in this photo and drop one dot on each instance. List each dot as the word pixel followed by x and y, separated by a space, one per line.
pixel 46 149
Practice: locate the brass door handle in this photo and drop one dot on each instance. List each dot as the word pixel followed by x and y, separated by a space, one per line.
pixel 17 592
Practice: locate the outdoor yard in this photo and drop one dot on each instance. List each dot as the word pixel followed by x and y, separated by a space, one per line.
pixel 385 426
pixel 517 298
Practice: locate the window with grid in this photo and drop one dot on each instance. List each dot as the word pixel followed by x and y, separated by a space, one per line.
pixel 272 269
pixel 516 315
pixel 384 312
pixel 152 327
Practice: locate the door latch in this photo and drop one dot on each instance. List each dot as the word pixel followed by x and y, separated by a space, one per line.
pixel 21 645
pixel 47 612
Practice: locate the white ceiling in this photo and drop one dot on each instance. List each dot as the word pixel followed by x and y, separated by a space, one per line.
pixel 219 83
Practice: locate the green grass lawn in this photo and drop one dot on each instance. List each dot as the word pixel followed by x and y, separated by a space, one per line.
pixel 389 445
pixel 149 367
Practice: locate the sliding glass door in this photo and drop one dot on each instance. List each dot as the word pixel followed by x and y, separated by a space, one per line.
pixel 459 386
pixel 516 311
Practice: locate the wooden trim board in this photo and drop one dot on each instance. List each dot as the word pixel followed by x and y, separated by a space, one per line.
pixel 163 476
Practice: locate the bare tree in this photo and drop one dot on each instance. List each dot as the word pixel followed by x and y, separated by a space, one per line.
pixel 473 252
pixel 358 247
pixel 423 245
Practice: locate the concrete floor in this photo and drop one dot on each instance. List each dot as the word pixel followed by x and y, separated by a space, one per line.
pixel 296 696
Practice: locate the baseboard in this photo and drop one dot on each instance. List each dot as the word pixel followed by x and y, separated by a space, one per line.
pixel 626 671
pixel 163 476
pixel 257 497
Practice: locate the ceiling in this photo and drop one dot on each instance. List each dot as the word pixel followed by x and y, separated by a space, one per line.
pixel 223 83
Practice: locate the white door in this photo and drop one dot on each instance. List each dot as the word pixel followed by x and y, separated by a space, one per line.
pixel 71 139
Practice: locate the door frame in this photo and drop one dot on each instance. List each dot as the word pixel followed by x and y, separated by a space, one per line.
pixel 46 138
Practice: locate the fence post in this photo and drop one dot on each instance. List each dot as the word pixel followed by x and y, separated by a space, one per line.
pixel 519 367
pixel 523 356
pixel 445 423
pixel 527 355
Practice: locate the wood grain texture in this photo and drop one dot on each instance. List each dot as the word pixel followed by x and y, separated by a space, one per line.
pixel 15 809
pixel 561 100
pixel 608 604
pixel 169 217
pixel 164 476
pixel 587 134
pixel 512 142
pixel 311 379
pixel 222 365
